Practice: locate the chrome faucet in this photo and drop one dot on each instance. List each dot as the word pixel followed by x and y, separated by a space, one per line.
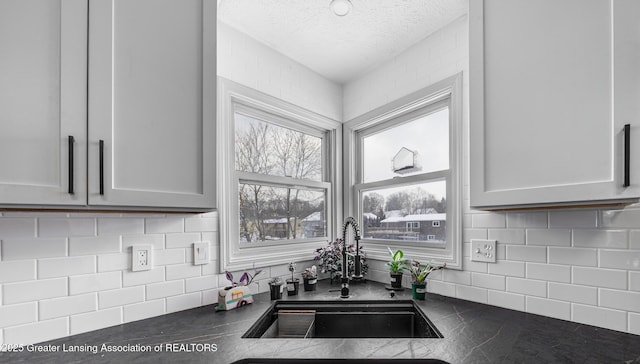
pixel 344 292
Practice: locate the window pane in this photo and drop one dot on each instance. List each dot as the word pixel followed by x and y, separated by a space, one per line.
pixel 418 146
pixel 280 213
pixel 415 212
pixel 266 148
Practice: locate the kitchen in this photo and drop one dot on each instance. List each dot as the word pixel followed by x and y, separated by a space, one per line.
pixel 68 270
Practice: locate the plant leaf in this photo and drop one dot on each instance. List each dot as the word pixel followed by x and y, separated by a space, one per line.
pixel 244 277
pixel 229 276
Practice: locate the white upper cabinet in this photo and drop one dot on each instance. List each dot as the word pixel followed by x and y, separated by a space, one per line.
pixel 43 101
pixel 552 84
pixel 152 79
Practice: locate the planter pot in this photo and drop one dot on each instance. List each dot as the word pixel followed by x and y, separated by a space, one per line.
pixel 292 287
pixel 234 297
pixel 310 284
pixel 396 280
pixel 418 290
pixel 276 291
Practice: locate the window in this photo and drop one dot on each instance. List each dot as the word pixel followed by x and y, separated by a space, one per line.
pixel 277 173
pixel 403 160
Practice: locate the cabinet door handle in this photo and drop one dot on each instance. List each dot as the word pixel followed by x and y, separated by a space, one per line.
pixel 627 156
pixel 72 141
pixel 102 167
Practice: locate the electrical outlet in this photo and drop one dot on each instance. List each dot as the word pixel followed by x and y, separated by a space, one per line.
pixel 200 252
pixel 483 250
pixel 141 257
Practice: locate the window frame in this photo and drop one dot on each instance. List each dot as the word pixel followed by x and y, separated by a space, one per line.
pixel 424 101
pixel 232 98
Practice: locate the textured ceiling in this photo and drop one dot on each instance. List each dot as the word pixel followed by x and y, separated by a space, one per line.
pixel 340 48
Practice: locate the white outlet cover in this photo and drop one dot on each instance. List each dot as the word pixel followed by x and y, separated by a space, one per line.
pixel 483 250
pixel 201 253
pixel 141 257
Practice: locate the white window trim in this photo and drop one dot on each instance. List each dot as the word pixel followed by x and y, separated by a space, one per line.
pixel 450 88
pixel 232 255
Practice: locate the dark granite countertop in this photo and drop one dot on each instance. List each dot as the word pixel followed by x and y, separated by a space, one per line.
pixel 473 333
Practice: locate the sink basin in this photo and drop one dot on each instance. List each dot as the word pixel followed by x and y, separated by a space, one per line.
pixel 340 361
pixel 343 319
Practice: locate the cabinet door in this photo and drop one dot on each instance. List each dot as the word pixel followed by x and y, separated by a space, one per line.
pixel 152 70
pixel 43 68
pixel 544 101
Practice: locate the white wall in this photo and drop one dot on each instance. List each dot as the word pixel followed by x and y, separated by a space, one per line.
pixel 246 61
pixel 581 265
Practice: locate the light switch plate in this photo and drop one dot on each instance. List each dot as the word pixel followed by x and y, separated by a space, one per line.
pixel 201 253
pixel 141 257
pixel 483 250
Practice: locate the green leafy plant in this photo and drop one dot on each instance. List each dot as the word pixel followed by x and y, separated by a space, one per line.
pixel 329 259
pixel 310 273
pixel 396 264
pixel 420 272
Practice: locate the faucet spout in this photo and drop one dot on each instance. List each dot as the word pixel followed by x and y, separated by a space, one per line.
pixel 350 221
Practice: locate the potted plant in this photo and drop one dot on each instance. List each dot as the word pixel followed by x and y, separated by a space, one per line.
pixel 419 274
pixel 293 283
pixel 396 267
pixel 275 287
pixel 239 293
pixel 310 278
pixel 329 259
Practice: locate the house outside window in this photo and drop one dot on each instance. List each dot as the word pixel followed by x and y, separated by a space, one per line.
pixel 403 164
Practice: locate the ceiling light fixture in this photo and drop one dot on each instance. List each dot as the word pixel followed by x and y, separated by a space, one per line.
pixel 340 7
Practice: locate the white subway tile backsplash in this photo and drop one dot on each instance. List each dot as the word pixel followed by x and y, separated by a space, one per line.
pixel 11 228
pixel 180 271
pixel 620 259
pixel 634 281
pixel 507 300
pixel 120 297
pixel 573 256
pixel 119 226
pixel 573 293
pixel 210 297
pixel 488 281
pixel 488 220
pixel 627 218
pixel 598 316
pixel 37 332
pixel 17 249
pixel 508 236
pixel 184 302
pixel 622 300
pixel 140 311
pixel 634 239
pixel 94 245
pixel 143 277
pixel 527 253
pixel 456 276
pixel 162 226
pixel 471 293
pixel 527 220
pixel 94 282
pixel 95 320
pixel 62 227
pixel 471 266
pixel 600 277
pixel 527 286
pixel 507 268
pixel 549 272
pixel 185 240
pixel 157 240
pixel 168 257
pixel 551 308
pixel 573 219
pixel 67 266
pixel 67 306
pixel 634 323
pixel 165 289
pixel 113 262
pixel 555 237
pixel 592 238
pixel 17 270
pixel 201 283
pixel 29 291
pixel 13 315
pixel 468 234
pixel 442 288
pixel 200 224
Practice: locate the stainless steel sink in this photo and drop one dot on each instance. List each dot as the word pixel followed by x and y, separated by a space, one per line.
pixel 343 319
